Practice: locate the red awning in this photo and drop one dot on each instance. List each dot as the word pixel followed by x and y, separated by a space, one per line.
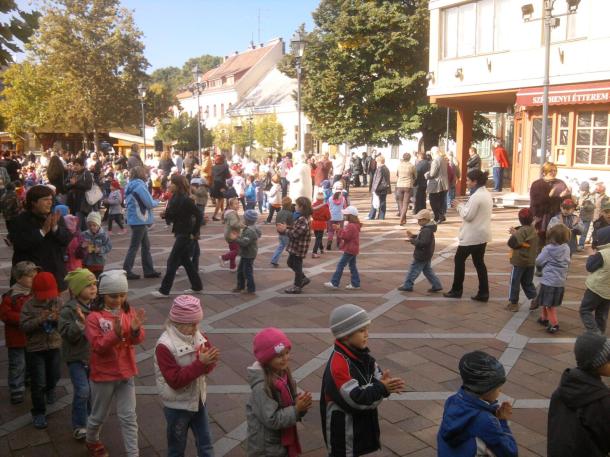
pixel 573 94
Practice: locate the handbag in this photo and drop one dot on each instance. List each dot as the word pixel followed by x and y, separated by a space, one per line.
pixel 94 194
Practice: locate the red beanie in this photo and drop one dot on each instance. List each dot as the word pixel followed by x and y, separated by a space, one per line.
pixel 115 184
pixel 44 286
pixel 269 343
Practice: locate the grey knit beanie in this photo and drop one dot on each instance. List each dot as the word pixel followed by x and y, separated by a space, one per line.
pixel 112 282
pixel 346 319
pixel 591 351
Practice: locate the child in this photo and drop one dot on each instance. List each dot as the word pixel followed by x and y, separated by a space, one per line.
pixel 299 236
pixel 250 192
pixel 603 221
pixel 39 323
pixel 200 196
pixel 155 178
pixel 586 203
pixel 570 220
pixel 320 218
pixel 232 224
pixel 97 244
pixel 10 310
pixel 424 243
pixel 326 189
pixel 597 294
pixel 524 244
pixel 248 248
pixel 335 204
pixel 274 197
pixel 554 259
pixel 601 198
pixel 183 359
pixel 260 193
pixel 75 347
pixel 113 328
pixel 115 207
pixel 274 406
pixel 473 422
pixel 76 250
pixel 284 216
pixel 353 386
pixel 350 245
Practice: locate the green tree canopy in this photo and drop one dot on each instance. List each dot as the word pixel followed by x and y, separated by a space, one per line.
pixel 176 79
pixel 181 131
pixel 16 27
pixel 268 132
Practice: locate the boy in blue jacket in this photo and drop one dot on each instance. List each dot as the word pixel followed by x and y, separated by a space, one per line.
pixel 473 422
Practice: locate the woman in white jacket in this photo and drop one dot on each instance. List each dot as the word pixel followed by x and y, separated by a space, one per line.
pixel 474 235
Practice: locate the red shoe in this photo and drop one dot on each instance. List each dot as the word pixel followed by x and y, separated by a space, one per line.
pixel 96 449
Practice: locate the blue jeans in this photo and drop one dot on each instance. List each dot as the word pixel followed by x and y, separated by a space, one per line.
pixel 139 237
pixel 450 196
pixel 498 172
pixel 178 423
pixel 16 369
pixel 425 267
pixel 346 259
pixel 283 239
pixel 45 370
pixel 181 254
pixel 81 400
pixel 522 277
pixel 245 274
pixel 382 208
pixel 585 232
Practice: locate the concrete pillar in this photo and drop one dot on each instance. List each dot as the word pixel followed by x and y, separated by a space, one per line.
pixel 463 138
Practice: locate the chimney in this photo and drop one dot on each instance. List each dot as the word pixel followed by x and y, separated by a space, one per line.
pixel 262 45
pixel 225 58
pixel 236 53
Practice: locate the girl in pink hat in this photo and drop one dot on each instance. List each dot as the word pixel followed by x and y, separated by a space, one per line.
pixel 274 407
pixel 183 359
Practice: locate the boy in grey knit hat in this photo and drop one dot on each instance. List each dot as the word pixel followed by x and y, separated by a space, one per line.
pixel 353 386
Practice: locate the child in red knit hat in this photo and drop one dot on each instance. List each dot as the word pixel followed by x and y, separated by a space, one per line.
pixel 274 407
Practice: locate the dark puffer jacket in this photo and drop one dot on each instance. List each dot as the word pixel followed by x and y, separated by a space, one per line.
pixel 424 242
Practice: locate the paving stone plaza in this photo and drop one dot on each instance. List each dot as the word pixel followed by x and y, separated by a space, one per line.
pixel 418 336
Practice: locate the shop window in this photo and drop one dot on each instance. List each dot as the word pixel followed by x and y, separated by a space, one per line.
pixel 536 142
pixel 592 145
pixel 561 143
pixel 572 26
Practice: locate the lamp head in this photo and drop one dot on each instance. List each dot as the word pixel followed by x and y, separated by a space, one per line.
pixel 572 5
pixel 527 11
pixel 298 43
pixel 196 73
pixel 142 90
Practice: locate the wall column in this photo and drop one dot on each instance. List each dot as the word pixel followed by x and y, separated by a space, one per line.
pixel 463 140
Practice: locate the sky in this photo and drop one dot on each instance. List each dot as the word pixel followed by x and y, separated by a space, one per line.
pixel 175 30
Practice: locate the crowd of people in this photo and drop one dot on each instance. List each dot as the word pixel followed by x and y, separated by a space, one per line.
pixel 55 206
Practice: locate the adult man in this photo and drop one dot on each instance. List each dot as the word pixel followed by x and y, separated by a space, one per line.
pixel 356 169
pixel 134 157
pixel 500 162
pixel 177 158
pixel 190 162
pixel 474 160
pixel 372 166
pixel 323 168
pixel 438 184
pixel 422 166
pixel 338 166
pixel 79 183
pixel 404 186
pixel 284 166
pixel 366 161
pixel 40 236
pixel 381 187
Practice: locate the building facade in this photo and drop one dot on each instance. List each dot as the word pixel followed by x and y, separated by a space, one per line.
pixel 484 56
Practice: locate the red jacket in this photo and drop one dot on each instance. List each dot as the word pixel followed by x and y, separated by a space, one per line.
pixel 10 310
pixel 350 238
pixel 320 215
pixel 112 359
pixel 501 157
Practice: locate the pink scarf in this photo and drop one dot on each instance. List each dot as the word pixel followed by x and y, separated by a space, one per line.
pixel 290 438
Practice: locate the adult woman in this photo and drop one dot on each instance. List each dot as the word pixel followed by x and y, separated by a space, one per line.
pixel 166 163
pixel 186 219
pixel 546 195
pixel 438 184
pixel 205 169
pixel 220 174
pixel 474 235
pixel 56 174
pixel 404 186
pixel 139 205
pixel 380 187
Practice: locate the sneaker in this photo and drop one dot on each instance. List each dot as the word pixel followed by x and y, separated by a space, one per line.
pixel 543 322
pixel 293 290
pixel 222 263
pixel 405 289
pixel 552 328
pixel 330 285
pixel 315 256
pixel 40 421
pixel 275 265
pixel 17 398
pixel 96 449
pixel 51 396
pixel 233 269
pixel 191 291
pixel 433 290
pixel 237 290
pixel 352 287
pixel 122 232
pixel 131 275
pixel 512 307
pixel 154 274
pixel 158 294
pixel 79 433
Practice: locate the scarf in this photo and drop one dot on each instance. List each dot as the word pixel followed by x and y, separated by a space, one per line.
pixel 18 289
pixel 290 438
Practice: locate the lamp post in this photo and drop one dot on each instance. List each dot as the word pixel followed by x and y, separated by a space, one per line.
pixel 298 45
pixel 142 93
pixel 198 86
pixel 550 21
pixel 250 119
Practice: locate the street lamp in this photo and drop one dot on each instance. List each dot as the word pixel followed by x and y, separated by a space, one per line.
pixel 198 86
pixel 550 21
pixel 142 93
pixel 298 45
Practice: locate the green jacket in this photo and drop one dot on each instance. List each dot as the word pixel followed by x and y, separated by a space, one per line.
pixel 75 346
pixel 41 334
pixel 599 280
pixel 248 242
pixel 524 245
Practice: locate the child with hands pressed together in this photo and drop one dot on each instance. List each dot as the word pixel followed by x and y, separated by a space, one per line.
pixel 353 386
pixel 183 359
pixel 96 243
pixel 274 407
pixel 570 220
pixel 113 329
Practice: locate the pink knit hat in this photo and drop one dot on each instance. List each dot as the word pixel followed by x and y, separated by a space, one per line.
pixel 186 309
pixel 268 343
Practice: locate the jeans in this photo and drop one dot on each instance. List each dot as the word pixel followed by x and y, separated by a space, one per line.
pixel 245 274
pixel 45 371
pixel 283 240
pixel 295 263
pixel 139 237
pixel 478 259
pixel 195 253
pixel 403 197
pixel 272 210
pixel 585 232
pixel 118 218
pixel 450 196
pixel 284 186
pixel 230 256
pixel 497 175
pixel 250 204
pixel 346 259
pixel 16 369
pixel 522 277
pixel 180 255
pixel 425 267
pixel 594 304
pixel 318 244
pixel 178 423
pixel 382 207
pixel 437 203
pixel 81 400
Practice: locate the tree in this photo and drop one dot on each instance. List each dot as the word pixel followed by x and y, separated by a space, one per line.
pixel 16 26
pixel 177 79
pixel 227 135
pixel 182 132
pixel 269 133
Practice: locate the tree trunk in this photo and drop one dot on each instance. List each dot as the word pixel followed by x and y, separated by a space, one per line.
pixel 427 140
pixel 96 140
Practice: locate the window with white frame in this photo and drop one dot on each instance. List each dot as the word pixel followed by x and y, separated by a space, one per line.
pixel 592 139
pixel 476 28
pixel 572 26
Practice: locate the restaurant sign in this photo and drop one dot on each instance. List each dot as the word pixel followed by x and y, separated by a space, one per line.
pixel 566 95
